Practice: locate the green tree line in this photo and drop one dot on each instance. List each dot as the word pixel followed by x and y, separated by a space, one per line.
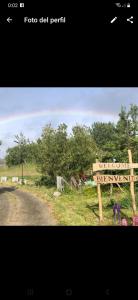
pixel 58 153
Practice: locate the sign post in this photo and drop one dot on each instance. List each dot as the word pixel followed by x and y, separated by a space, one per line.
pixel 132 183
pixel 100 202
pixel 99 198
pixel 110 179
pixel 106 179
pixel 98 166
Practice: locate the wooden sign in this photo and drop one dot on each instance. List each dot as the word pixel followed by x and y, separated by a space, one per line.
pixel 114 166
pixel 105 179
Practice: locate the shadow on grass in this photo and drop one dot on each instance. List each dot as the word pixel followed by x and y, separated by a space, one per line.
pixel 7 189
pixel 95 209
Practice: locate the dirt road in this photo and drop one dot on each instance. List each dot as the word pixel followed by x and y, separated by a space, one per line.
pixel 22 208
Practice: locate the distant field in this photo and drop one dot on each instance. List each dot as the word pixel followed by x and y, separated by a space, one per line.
pixel 29 170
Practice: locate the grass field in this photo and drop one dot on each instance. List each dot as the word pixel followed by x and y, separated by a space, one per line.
pixel 75 207
pixel 81 207
pixel 29 170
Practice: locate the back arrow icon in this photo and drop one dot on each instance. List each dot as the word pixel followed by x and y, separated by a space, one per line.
pixel 9 20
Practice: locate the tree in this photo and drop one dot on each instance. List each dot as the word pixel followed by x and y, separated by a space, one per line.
pixel 31 150
pixel 133 118
pixel 133 114
pixel 113 141
pixel 13 156
pixel 53 151
pixel 104 136
pixel 63 155
pixel 18 154
pixel 83 149
pixel 126 133
pixel 22 142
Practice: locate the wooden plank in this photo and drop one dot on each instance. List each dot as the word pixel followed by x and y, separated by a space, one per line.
pixel 100 200
pixel 105 179
pixel 114 166
pixel 132 183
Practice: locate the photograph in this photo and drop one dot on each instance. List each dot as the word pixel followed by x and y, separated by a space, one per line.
pixel 69 156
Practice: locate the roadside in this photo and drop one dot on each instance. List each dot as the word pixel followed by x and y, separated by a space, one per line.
pixel 80 207
pixel 18 207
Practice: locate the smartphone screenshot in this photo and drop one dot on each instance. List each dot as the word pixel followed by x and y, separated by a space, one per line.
pixel 68 149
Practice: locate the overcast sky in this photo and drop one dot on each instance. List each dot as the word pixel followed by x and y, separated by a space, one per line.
pixel 30 109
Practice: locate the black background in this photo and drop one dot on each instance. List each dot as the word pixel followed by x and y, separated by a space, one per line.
pixel 87 51
pixel 93 261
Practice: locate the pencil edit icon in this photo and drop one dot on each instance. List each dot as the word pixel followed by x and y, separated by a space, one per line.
pixel 113 20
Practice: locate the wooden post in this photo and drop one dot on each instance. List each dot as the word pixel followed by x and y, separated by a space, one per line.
pixel 99 199
pixel 111 190
pixel 132 183
pixel 100 202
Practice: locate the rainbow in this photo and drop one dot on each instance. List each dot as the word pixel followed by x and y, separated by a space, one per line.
pixel 51 112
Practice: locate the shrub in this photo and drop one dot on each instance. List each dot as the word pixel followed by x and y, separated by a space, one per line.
pixel 126 203
pixel 45 180
pixel 112 202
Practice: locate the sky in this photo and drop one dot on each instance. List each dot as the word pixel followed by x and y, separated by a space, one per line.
pixel 28 110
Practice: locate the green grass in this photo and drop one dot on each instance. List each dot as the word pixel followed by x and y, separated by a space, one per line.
pixel 75 207
pixel 81 207
pixel 28 170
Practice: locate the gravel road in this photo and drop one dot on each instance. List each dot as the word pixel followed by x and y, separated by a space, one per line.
pixel 22 208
